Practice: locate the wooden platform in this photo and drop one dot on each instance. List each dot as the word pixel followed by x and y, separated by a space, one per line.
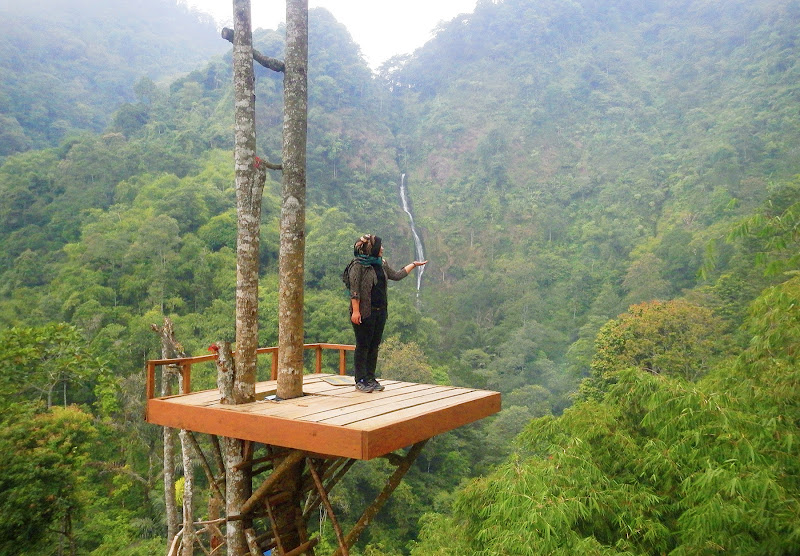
pixel 331 419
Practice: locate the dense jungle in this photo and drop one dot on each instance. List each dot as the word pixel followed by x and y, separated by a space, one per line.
pixel 609 196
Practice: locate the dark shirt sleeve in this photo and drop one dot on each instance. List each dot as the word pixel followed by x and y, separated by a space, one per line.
pixel 362 278
pixel 355 281
pixel 393 274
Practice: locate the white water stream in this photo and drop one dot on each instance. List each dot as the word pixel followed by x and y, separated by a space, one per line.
pixel 420 255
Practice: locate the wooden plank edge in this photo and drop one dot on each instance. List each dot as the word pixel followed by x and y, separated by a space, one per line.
pixel 390 437
pixel 298 435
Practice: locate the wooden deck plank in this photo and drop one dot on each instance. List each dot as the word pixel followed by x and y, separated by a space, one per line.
pixel 433 407
pixel 412 426
pixel 350 399
pixel 303 407
pixel 377 404
pixel 360 414
pixel 335 420
pixel 334 389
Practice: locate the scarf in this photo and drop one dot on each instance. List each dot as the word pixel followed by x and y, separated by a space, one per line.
pixel 367 260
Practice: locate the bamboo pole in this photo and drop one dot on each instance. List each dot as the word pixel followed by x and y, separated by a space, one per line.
pixel 305 547
pixel 275 533
pixel 262 459
pixel 313 504
pixel 387 491
pixel 324 495
pixel 204 464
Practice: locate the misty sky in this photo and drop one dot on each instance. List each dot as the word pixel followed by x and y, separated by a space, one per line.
pixel 382 28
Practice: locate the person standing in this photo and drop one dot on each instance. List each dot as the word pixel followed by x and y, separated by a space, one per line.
pixel 368 305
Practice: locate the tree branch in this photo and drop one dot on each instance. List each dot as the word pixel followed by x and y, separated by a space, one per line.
pixel 269 63
pixel 391 484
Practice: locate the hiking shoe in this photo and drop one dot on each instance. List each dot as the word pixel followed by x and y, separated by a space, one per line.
pixel 376 386
pixel 363 386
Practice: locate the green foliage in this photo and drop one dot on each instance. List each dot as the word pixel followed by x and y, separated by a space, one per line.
pixel 776 228
pixel 670 338
pixel 46 363
pixel 66 67
pixel 41 487
pixel 565 160
pixel 407 362
pixel 773 327
pixel 656 465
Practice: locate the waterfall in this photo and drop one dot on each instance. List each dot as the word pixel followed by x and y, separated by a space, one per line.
pixel 419 253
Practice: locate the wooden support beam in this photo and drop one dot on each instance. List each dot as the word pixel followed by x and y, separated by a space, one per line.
pixel 324 496
pixel 302 528
pixel 294 457
pixel 274 525
pixel 331 467
pixel 305 547
pixel 275 500
pixel 262 459
pixel 387 491
pixel 260 470
pixel 314 503
pixel 204 464
pixel 217 451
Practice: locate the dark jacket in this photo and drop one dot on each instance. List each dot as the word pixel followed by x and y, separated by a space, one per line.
pixel 363 278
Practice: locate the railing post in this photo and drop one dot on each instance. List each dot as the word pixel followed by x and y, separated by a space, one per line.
pixel 342 362
pixel 186 377
pixel 319 359
pixel 151 380
pixel 275 364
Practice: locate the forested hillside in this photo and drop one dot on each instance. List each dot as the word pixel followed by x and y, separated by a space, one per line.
pixel 608 195
pixel 67 66
pixel 569 159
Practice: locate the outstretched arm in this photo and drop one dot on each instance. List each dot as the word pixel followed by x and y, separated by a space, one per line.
pixel 411 266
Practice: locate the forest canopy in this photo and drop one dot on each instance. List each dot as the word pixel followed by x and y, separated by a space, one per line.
pixel 608 195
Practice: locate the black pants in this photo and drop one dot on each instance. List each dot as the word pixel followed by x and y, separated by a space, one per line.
pixel 368 338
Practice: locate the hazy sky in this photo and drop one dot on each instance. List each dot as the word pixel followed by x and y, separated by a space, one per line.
pixel 382 28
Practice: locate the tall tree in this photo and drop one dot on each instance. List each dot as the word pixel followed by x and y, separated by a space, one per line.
pixel 250 179
pixel 171 349
pixel 292 251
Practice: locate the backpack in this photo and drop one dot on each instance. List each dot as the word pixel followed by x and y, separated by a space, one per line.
pixel 346 274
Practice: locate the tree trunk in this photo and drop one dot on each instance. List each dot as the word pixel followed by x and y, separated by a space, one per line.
pixel 238 481
pixel 171 504
pixel 170 349
pixel 187 452
pixel 289 517
pixel 292 250
pixel 248 207
pixel 248 204
pixel 187 544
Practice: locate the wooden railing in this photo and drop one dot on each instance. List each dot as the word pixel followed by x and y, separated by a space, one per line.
pixel 185 364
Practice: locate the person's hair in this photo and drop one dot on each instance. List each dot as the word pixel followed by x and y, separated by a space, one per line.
pixel 367 244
